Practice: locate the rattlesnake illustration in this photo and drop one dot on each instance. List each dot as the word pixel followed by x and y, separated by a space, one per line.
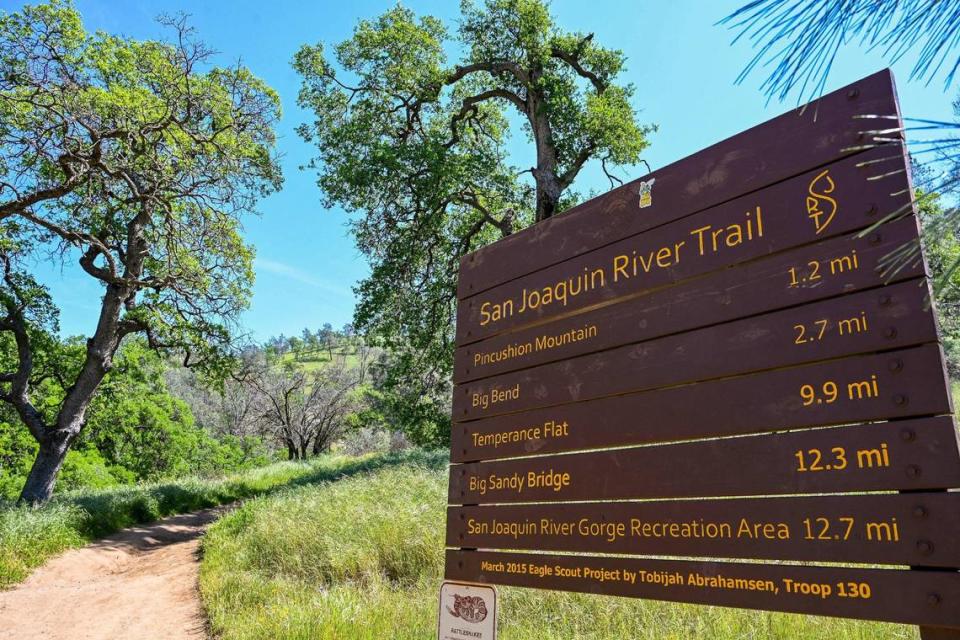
pixel 470 608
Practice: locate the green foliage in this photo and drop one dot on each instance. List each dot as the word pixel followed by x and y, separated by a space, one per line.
pixel 423 420
pixel 88 469
pixel 388 534
pixel 136 431
pixel 138 425
pixel 942 250
pixel 17 450
pixel 31 535
pixel 415 141
pixel 291 566
pixel 28 536
pixel 126 135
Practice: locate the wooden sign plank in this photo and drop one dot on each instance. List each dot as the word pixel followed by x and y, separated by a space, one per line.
pixel 890 595
pixel 914 455
pixel 829 329
pixel 845 196
pixel 778 149
pixel 914 529
pixel 840 265
pixel 768 401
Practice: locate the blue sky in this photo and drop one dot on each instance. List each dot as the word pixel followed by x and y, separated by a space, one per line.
pixel 682 65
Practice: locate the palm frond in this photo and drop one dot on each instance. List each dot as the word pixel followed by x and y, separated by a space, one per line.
pixel 798 40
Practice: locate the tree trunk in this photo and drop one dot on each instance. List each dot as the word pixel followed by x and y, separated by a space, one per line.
pixel 291 451
pixel 46 468
pixel 548 193
pixel 545 173
pixel 319 445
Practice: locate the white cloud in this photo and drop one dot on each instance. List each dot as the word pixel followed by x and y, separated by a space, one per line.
pixel 296 274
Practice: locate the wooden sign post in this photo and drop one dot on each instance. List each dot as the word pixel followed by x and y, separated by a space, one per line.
pixel 710 363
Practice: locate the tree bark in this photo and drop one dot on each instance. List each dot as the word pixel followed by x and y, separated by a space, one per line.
pixel 548 192
pixel 545 173
pixel 55 440
pixel 46 467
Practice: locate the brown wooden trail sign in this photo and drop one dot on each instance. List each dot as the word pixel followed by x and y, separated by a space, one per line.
pixel 890 595
pixel 754 225
pixel 753 465
pixel 795 336
pixel 876 529
pixel 729 407
pixel 709 363
pixel 813 272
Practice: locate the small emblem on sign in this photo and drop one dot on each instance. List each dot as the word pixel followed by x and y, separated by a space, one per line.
pixel 646 198
pixel 470 608
pixel 821 208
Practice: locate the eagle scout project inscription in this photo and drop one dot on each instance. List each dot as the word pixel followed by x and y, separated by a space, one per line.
pixel 712 364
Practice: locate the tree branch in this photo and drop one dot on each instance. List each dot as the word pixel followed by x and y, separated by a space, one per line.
pixel 573 59
pixel 469 108
pixel 496 66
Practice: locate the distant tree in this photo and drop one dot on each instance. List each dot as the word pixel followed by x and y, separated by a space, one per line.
pixel 398 407
pixel 310 344
pixel 224 408
pixel 296 347
pixel 327 337
pixel 366 356
pixel 283 344
pixel 240 408
pixel 418 146
pixel 306 411
pixel 137 159
pixel 349 335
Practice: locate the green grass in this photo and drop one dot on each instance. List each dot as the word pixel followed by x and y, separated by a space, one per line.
pixel 320 359
pixel 362 558
pixel 29 535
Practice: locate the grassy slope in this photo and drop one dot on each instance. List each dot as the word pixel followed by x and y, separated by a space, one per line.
pixel 28 536
pixel 320 359
pixel 362 558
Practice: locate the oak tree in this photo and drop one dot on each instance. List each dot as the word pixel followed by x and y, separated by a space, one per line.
pixel 136 161
pixel 305 411
pixel 413 131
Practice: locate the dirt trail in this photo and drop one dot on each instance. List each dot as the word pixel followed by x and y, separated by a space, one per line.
pixel 139 583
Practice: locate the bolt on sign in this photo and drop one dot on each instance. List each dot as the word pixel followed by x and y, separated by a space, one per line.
pixel 713 363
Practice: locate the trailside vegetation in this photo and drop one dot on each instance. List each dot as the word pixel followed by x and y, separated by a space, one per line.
pixel 29 535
